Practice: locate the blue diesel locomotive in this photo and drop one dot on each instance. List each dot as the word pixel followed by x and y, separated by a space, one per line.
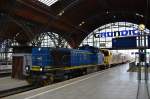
pixel 49 64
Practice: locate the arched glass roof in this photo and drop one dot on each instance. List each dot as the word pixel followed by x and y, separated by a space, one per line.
pixel 48 2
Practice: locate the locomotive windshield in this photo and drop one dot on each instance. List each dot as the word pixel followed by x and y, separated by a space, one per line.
pixel 105 52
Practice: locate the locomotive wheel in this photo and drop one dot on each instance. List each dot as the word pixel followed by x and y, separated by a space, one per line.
pixel 48 81
pixel 29 80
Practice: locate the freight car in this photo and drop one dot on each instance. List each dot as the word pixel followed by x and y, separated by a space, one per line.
pixel 49 64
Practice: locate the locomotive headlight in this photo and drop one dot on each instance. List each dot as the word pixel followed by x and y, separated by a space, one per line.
pixel 27 68
pixel 41 69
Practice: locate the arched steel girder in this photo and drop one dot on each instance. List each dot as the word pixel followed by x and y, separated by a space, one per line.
pixel 54 38
pixel 34 14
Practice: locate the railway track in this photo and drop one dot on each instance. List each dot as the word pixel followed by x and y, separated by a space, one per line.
pixel 18 90
pixel 5 75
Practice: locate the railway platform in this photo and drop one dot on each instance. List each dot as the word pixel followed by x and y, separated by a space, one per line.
pixel 7 83
pixel 113 83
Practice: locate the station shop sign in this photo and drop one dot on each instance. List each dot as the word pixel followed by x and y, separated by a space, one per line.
pixel 117 33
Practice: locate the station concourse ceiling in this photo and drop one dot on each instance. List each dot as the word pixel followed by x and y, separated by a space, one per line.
pixel 23 20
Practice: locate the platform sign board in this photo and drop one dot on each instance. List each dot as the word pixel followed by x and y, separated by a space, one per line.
pixel 124 43
pixel 122 33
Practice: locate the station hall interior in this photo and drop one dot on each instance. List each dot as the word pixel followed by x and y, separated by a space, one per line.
pixel 74 49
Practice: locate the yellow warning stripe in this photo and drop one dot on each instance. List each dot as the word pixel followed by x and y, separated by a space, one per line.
pixel 37 68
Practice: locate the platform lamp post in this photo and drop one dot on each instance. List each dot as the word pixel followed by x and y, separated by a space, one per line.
pixel 142 38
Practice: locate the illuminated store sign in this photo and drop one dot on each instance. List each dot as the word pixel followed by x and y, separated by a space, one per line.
pixel 117 33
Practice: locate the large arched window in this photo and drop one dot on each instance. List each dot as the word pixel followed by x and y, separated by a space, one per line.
pixel 6 49
pixel 106 42
pixel 50 39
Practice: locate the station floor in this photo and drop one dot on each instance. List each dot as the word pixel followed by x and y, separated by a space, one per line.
pixel 9 83
pixel 114 83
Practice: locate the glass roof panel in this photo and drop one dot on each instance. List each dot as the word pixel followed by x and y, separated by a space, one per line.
pixel 48 2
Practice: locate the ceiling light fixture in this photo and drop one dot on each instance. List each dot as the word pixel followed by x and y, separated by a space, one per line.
pixel 81 23
pixel 140 15
pixel 61 13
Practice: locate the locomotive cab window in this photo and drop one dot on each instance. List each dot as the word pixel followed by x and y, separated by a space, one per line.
pixel 106 53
